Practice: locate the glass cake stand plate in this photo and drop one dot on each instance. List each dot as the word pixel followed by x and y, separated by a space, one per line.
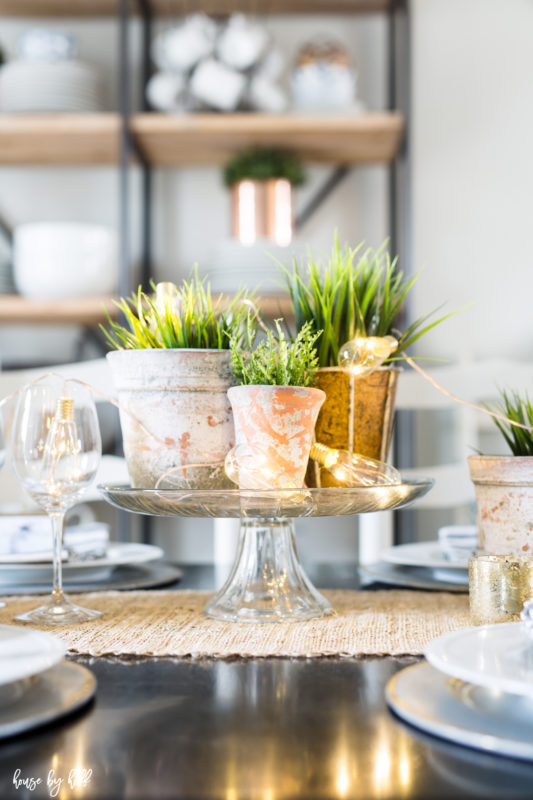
pixel 267 582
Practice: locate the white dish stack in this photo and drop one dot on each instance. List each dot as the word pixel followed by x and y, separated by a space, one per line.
pixel 36 685
pixel 476 690
pixel 47 77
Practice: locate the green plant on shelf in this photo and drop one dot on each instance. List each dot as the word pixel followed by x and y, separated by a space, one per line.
pixel 518 408
pixel 276 360
pixel 189 317
pixel 263 164
pixel 357 292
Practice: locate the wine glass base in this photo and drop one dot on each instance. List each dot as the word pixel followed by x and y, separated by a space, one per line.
pixel 267 582
pixel 58 612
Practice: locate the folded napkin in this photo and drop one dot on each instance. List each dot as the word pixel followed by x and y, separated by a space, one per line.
pixel 32 535
pixel 458 542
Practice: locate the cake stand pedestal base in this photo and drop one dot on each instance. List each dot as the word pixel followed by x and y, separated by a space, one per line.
pixel 267 582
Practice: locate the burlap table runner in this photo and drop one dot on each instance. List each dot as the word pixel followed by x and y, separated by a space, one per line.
pixel 171 623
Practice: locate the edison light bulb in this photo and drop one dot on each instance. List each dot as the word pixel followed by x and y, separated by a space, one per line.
pixel 60 468
pixel 250 468
pixel 166 296
pixel 364 354
pixel 351 469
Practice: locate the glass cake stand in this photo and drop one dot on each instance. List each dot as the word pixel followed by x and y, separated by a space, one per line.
pixel 267 582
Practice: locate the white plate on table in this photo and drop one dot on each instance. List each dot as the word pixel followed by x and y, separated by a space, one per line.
pixel 117 554
pixel 428 699
pixel 25 652
pixel 417 577
pixel 422 554
pixel 56 692
pixel 499 657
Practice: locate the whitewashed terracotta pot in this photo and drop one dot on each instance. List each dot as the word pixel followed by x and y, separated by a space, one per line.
pixel 280 422
pixel 180 399
pixel 504 494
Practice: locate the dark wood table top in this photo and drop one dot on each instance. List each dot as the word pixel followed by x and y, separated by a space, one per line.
pixel 269 729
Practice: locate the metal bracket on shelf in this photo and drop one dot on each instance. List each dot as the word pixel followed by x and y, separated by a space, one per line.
pixel 335 177
pixel 6 231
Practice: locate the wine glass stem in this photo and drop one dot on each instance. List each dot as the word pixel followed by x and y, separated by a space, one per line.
pixel 57 518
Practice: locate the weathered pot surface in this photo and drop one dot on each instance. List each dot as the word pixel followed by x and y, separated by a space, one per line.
pixel 504 494
pixel 179 397
pixel 357 415
pixel 280 422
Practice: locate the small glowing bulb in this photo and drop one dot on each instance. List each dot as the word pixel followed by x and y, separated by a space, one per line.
pixel 60 468
pixel 250 468
pixel 364 354
pixel 351 469
pixel 166 297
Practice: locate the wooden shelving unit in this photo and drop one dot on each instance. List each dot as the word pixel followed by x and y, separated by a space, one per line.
pixel 211 138
pixel 95 8
pixel 59 138
pixel 169 140
pixel 87 311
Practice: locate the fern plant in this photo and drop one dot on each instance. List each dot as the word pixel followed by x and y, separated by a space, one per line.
pixel 519 409
pixel 276 360
pixel 358 292
pixel 263 164
pixel 194 318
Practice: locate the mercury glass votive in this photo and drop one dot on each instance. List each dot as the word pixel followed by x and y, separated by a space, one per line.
pixel 499 587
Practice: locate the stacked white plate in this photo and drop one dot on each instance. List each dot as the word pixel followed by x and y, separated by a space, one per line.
pixel 36 686
pixel 426 565
pixel 476 690
pixel 35 86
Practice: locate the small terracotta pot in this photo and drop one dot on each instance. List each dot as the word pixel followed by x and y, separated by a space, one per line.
pixel 357 416
pixel 504 495
pixel 279 421
pixel 180 398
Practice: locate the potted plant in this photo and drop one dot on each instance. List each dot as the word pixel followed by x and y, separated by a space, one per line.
pixel 275 407
pixel 171 366
pixel 504 483
pixel 358 292
pixel 261 181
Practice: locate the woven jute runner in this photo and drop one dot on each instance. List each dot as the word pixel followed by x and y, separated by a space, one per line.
pixel 171 623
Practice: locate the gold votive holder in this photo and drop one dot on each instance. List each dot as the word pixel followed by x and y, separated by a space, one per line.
pixel 499 587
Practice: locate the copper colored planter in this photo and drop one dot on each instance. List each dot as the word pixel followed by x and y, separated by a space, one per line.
pixel 357 416
pixel 262 210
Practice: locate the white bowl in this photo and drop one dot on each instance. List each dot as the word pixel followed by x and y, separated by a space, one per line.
pixel 65 259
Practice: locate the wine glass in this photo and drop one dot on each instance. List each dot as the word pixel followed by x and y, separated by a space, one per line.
pixel 55 451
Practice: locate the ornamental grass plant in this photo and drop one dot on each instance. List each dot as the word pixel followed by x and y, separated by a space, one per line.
pixel 193 318
pixel 518 408
pixel 356 292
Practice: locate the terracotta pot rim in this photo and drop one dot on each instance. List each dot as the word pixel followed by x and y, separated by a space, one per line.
pixel 202 350
pixel 501 458
pixel 310 389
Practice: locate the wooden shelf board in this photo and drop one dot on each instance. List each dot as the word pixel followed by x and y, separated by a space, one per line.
pixel 172 140
pixel 168 140
pixel 16 310
pixel 168 8
pixel 273 306
pixel 59 138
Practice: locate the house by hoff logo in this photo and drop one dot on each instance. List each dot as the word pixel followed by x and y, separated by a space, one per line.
pixel 77 778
